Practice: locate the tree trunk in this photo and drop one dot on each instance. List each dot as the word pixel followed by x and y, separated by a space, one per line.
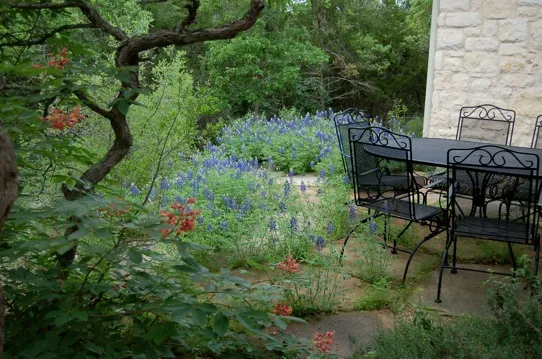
pixel 9 189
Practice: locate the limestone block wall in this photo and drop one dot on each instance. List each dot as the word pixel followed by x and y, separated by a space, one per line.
pixel 487 51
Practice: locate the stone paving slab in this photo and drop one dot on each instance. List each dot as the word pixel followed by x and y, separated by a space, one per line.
pixel 352 329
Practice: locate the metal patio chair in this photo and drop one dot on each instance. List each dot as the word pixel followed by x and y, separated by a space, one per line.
pixel 343 121
pixel 489 206
pixel 478 123
pixel 384 182
pixel 536 143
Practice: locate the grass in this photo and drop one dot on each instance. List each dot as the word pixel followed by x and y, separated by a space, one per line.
pixel 382 297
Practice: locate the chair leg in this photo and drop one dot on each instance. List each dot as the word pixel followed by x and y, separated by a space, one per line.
pixel 394 248
pixel 386 231
pixel 537 255
pixel 454 270
pixel 442 265
pixel 352 232
pixel 425 239
pixel 512 255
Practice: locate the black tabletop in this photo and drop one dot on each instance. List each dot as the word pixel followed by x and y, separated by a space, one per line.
pixel 434 151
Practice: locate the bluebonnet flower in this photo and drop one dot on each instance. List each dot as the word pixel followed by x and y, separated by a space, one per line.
pixel 134 190
pixel 322 174
pixel 224 225
pixel 227 201
pixel 270 182
pixel 346 180
pixel 182 156
pixel 293 224
pixel 210 206
pixel 164 202
pixel 164 184
pixel 303 187
pixel 273 225
pixel 386 208
pixel 330 228
pixel 291 173
pixel 372 227
pixel 208 194
pixel 294 155
pixel 320 241
pixel 331 168
pixel 312 164
pixel 320 191
pixel 251 187
pixel 263 194
pixel 180 182
pixel 287 188
pixel 277 197
pixel 152 193
pixel 170 163
pixel 189 175
pixel 209 228
pixel 312 237
pixel 352 211
pixel 282 207
pixel 281 150
pixel 200 220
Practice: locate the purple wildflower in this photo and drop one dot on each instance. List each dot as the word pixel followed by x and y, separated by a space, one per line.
pixel 330 228
pixel 303 187
pixel 134 190
pixel 273 225
pixel 322 174
pixel 320 241
pixel 372 227
pixel 293 224
pixel 352 211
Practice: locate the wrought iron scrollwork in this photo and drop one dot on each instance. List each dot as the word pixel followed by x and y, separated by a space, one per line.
pixel 380 136
pixel 490 113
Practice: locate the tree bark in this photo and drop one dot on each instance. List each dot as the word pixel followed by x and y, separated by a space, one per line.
pixel 9 189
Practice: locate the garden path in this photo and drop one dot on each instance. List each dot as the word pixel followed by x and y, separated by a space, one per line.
pixel 463 293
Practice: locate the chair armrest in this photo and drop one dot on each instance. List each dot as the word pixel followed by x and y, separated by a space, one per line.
pixel 433 184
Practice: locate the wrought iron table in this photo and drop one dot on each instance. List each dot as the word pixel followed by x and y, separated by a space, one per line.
pixel 434 151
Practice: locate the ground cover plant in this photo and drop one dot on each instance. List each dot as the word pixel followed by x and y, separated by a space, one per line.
pixel 513 330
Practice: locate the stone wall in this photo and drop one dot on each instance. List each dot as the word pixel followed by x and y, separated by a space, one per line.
pixel 487 51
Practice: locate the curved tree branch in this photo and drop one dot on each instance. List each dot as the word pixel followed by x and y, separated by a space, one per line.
pixel 44 37
pixel 190 18
pixel 128 52
pixel 88 10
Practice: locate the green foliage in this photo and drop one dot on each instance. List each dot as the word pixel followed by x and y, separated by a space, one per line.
pixel 514 331
pixel 263 69
pixel 373 259
pixel 315 288
pixel 126 294
pixel 162 125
